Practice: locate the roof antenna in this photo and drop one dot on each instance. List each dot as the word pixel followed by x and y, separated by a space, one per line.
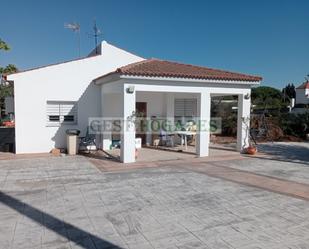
pixel 75 27
pixel 96 34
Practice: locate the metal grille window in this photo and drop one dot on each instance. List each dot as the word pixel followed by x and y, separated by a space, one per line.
pixel 185 109
pixel 61 112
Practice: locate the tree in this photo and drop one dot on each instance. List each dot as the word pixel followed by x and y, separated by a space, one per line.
pixel 289 91
pixel 6 88
pixel 8 69
pixel 4 45
pixel 267 97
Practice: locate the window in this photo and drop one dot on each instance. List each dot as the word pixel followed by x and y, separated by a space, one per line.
pixel 185 110
pixel 61 112
pixel 68 118
pixel 54 118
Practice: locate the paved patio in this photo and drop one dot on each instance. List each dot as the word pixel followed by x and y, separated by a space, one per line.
pixel 69 202
pixel 289 161
pixel 161 154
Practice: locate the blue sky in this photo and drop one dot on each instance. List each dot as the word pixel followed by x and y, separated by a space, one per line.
pixel 267 38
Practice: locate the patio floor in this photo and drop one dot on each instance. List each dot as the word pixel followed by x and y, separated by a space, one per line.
pixel 67 202
pixel 152 154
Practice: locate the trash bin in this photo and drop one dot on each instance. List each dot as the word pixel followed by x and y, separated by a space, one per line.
pixel 72 135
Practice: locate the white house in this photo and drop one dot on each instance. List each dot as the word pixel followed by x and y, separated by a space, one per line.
pixel 302 93
pixel 51 99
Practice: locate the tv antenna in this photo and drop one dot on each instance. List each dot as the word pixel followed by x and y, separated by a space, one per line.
pixel 96 33
pixel 75 27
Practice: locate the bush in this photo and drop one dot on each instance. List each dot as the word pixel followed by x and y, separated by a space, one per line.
pixel 229 125
pixel 295 124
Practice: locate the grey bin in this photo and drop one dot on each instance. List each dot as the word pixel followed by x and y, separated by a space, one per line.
pixel 72 145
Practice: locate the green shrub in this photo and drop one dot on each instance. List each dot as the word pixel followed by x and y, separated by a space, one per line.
pixel 295 124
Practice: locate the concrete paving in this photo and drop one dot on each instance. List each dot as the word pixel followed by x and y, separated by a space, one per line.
pixel 288 161
pixel 67 202
pixel 151 154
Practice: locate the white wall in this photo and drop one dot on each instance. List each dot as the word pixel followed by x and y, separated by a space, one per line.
pixel 161 104
pixel 156 103
pixel 302 96
pixel 70 81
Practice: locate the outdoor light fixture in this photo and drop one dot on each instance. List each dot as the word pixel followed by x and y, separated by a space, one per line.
pixel 130 89
pixel 247 96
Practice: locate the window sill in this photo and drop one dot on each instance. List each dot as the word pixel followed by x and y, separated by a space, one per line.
pixel 60 124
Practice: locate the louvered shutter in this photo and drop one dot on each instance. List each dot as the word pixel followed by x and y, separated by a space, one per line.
pixel 64 112
pixel 185 108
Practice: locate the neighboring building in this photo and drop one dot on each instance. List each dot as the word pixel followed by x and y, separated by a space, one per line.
pixel 9 105
pixel 49 100
pixel 302 93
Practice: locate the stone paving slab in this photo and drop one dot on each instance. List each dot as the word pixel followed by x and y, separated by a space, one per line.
pixel 70 203
pixel 282 186
pixel 290 162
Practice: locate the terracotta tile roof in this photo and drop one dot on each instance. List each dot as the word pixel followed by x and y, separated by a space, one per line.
pixel 161 68
pixel 305 85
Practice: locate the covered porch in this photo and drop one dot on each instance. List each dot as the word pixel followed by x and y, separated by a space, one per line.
pixel 160 99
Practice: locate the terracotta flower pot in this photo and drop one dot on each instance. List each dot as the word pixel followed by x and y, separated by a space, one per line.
pixel 251 150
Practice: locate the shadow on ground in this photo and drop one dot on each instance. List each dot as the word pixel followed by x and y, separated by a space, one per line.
pixel 287 152
pixel 52 223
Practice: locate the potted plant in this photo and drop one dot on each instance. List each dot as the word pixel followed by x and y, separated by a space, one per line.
pixel 250 149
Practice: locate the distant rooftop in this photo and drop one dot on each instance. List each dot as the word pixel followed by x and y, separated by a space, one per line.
pixel 305 85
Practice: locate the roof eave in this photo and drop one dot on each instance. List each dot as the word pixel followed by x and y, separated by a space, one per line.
pixel 225 81
pixel 107 78
pixel 117 76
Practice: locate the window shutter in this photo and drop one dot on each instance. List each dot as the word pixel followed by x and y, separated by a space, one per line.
pixel 185 107
pixel 68 109
pixel 179 108
pixel 190 107
pixel 61 112
pixel 52 111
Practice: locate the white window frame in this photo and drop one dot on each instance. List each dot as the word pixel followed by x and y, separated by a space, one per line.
pixel 61 109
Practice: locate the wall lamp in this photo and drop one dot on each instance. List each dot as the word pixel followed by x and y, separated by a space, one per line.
pixel 247 96
pixel 130 89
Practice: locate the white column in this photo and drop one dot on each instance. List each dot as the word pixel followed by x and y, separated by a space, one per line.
pixel 170 107
pixel 202 138
pixel 243 121
pixel 127 154
pixel 106 136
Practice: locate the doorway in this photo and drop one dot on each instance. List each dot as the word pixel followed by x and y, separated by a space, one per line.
pixel 141 111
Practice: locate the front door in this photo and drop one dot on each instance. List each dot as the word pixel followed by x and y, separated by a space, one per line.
pixel 141 111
